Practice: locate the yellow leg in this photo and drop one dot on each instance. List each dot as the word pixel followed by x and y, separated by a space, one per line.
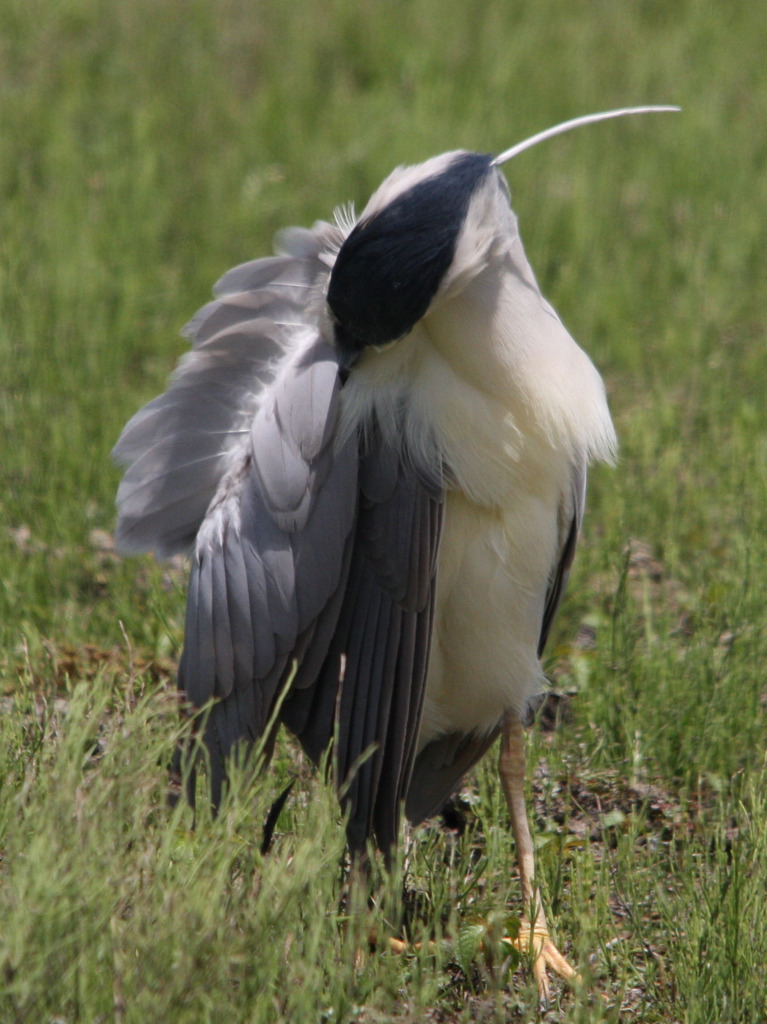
pixel 534 934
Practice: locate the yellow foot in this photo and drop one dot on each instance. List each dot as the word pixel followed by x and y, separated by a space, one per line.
pixel 537 943
pixel 397 946
pixel 400 947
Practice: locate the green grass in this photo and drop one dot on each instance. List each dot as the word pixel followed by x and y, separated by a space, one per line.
pixel 146 147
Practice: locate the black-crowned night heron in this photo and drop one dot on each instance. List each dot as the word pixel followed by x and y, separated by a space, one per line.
pixel 377 452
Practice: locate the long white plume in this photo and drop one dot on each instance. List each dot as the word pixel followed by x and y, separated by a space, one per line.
pixel 575 122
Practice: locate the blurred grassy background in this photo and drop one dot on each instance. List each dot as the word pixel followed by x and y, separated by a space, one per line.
pixel 146 147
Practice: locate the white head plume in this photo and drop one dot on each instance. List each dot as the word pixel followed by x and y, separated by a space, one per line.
pixel 575 122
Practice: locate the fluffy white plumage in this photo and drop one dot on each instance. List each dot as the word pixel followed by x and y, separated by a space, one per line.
pixel 492 380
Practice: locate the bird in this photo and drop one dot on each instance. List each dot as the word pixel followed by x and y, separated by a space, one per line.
pixel 375 454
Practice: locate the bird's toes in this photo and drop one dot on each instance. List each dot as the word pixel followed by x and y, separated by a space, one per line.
pixel 536 942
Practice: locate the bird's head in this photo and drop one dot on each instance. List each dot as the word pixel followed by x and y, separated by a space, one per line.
pixel 426 228
pixel 399 254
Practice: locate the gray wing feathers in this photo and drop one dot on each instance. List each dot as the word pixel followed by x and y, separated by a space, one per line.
pixel 261 595
pixel 571 518
pixel 290 439
pixel 307 555
pixel 369 691
pixel 439 769
pixel 253 587
pixel 361 577
pixel 271 275
pixel 179 446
